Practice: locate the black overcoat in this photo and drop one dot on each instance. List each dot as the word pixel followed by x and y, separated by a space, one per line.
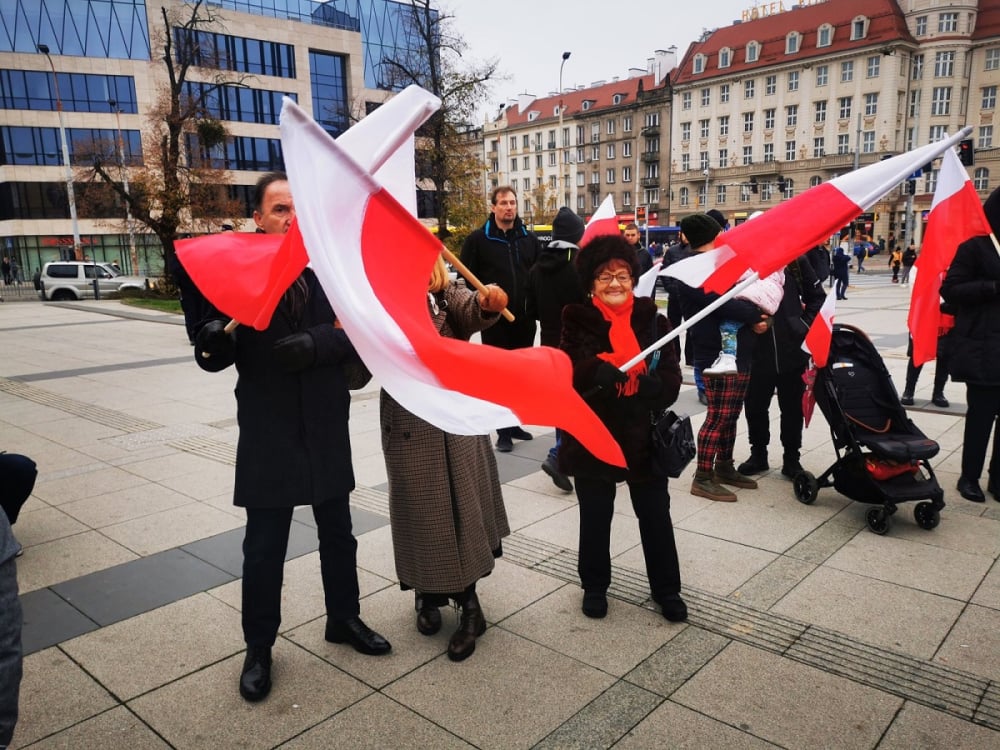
pixel 972 288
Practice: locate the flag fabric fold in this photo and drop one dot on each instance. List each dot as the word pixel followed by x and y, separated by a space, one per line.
pixel 956 215
pixel 820 334
pixel 644 286
pixel 603 222
pixel 354 229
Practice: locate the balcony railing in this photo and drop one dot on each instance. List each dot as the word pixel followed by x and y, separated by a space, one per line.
pixel 650 156
pixel 651 130
pixel 650 182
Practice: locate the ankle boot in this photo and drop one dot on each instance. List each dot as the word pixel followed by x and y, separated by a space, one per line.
pixel 725 473
pixel 428 616
pixel 471 625
pixel 790 465
pixel 704 485
pixel 756 464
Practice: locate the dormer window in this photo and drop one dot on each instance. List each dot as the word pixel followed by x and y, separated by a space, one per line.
pixel 555 111
pixel 533 115
pixel 725 57
pixel 824 35
pixel 698 66
pixel 617 99
pixel 859 28
pixel 792 42
pixel 586 104
pixel 753 51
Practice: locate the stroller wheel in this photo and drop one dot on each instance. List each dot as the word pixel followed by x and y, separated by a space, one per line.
pixel 927 517
pixel 806 487
pixel 878 521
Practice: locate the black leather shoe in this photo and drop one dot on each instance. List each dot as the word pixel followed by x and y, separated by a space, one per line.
pixel 674 609
pixel 519 433
pixel 505 444
pixel 595 604
pixel 428 616
pixel 361 637
pixel 906 399
pixel 970 490
pixel 790 468
pixel 255 681
pixel 938 399
pixel 993 487
pixel 559 479
pixel 471 626
pixel 756 464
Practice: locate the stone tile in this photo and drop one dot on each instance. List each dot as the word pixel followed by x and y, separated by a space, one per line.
pixel 99 481
pixel 540 690
pixel 376 722
pixel 677 660
pixel 636 631
pixel 526 506
pixel 882 614
pixel 973 645
pixel 202 485
pixel 603 721
pixel 124 505
pixel 791 704
pixel 510 588
pixel 175 465
pixel 71 557
pixel 40 523
pixel 988 593
pixel 957 531
pixel 563 529
pixel 56 694
pixel 687 729
pixel 893 559
pixel 708 563
pixel 74 432
pixel 49 620
pixel 772 583
pixel 205 710
pixel 817 547
pixel 134 656
pixel 171 528
pixel 375 553
pixel 921 727
pixel 117 728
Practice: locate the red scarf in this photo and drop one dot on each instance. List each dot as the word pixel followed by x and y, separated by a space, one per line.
pixel 624 344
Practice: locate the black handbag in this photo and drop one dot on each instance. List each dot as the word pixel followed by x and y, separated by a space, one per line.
pixel 673 445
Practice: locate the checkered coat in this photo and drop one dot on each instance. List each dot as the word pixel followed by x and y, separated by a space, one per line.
pixel 445 504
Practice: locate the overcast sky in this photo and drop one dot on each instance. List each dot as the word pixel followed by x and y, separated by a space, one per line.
pixel 606 37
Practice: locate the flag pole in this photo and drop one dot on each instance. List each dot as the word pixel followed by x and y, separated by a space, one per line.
pixel 704 312
pixel 471 278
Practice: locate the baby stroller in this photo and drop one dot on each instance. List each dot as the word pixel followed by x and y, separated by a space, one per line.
pixel 882 457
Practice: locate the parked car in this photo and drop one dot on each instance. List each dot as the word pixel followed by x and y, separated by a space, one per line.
pixel 68 280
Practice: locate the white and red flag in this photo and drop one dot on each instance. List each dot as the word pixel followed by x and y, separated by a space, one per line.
pixel 956 216
pixel 603 222
pixel 820 334
pixel 647 282
pixel 374 259
pixel 786 231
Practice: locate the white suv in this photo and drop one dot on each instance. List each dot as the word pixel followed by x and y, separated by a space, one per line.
pixel 72 279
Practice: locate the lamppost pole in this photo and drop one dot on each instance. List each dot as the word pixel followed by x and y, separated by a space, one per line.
pixel 133 257
pixel 563 162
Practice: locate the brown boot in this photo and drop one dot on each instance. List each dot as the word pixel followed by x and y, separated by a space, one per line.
pixel 704 485
pixel 428 616
pixel 471 626
pixel 725 473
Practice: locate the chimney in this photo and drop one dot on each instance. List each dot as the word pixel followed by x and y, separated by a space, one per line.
pixel 524 101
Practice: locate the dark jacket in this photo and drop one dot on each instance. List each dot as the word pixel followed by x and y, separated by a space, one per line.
pixel 841 263
pixel 294 447
pixel 972 287
pixel 706 341
pixel 553 283
pixel 504 259
pixel 780 347
pixel 675 253
pixel 584 336
pixel 645 259
pixel 909 256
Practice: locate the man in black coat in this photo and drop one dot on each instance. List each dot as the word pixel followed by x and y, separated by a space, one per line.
pixel 778 364
pixel 294 449
pixel 502 252
pixel 972 288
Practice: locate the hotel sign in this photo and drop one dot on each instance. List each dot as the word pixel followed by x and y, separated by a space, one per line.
pixel 762 10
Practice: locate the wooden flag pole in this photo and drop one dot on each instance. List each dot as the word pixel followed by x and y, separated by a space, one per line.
pixel 471 278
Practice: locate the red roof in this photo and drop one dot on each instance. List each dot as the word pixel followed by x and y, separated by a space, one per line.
pixel 886 24
pixel 599 97
pixel 987 21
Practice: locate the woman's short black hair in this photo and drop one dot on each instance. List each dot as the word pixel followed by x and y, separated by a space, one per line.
pixel 601 250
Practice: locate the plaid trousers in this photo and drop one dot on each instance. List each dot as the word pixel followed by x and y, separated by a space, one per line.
pixel 717 435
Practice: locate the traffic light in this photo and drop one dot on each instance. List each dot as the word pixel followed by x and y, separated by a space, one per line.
pixel 782 184
pixel 966 154
pixel 911 187
pixel 753 184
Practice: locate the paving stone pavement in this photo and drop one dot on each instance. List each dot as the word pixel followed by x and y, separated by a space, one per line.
pixel 806 630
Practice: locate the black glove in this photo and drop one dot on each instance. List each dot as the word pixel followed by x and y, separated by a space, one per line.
pixel 295 352
pixel 213 341
pixel 606 376
pixel 649 387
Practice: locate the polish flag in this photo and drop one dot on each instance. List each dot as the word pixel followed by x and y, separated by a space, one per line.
pixel 646 283
pixel 244 275
pixel 820 334
pixel 603 222
pixel 355 231
pixel 786 231
pixel 956 216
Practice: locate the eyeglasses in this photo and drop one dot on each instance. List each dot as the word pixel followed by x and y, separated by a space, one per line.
pixel 622 278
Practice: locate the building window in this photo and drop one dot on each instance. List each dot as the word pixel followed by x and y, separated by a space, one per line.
pixel 824 37
pixel 993 59
pixel 748 122
pixel 703 128
pixel 723 158
pixel 609 177
pixel 769 119
pixel 921 28
pixel 819 148
pixel 744 192
pixel 552 158
pixel 207 49
pixel 947 24
pixel 609 151
pixel 720 194
pixel 686 100
pixel 685 131
pixel 626 174
pixel 843 144
pixel 513 164
pixel 937 132
pixel 753 51
pixel 581 203
pixel 595 178
pixel 685 195
pixel 911 138
pixel 789 150
pixel 985 139
pixel 768 152
pixel 698 64
pixel 652 119
pixel 685 162
pixel 580 179
pixel 792 115
pixel 595 153
pixel 725 57
pixel 328 79
pixel 858 27
pixel 748 88
pixel 981 179
pixel 595 132
pixel 703 160
pixel 989 97
pixel 610 126
pixel 793 80
pixel 538 161
pixel 792 43
pixel 914 102
pixel 595 200
pixel 706 97
pixel 820 112
pixel 703 195
pixel 627 149
pixel 724 93
pixel 627 123
pixel 873 66
pixel 917 67
pixel 815 180
pixel 845 107
pixel 627 197
pixel 652 195
pixel 789 188
pixel 871 104
pixel 513 143
pixel 747 155
pixel 78 92
pixel 526 162
pixel 770 85
pixel 944 64
pixel 930 180
pixel 765 191
pixel 822 75
pixel 847 71
pixel 941 100
pixel 724 125
pixel 34 146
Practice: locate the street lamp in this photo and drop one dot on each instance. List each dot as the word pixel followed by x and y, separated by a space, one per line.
pixel 124 177
pixel 564 162
pixel 44 49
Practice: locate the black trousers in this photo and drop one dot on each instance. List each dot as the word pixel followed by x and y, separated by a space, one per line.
pixel 264 548
pixel 764 382
pixel 17 480
pixel 651 502
pixel 941 361
pixel 982 412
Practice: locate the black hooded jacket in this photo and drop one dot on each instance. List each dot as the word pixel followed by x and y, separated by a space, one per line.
pixel 553 283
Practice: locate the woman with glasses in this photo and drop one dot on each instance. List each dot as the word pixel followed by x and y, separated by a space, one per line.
pixel 600 335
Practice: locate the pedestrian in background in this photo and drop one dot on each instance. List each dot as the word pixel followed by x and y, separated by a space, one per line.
pixel 908 258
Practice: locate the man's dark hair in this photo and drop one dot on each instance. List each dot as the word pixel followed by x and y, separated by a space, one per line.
pixel 263 184
pixel 501 189
pixel 631 225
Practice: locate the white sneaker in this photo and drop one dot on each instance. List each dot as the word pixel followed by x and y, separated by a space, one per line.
pixel 724 365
